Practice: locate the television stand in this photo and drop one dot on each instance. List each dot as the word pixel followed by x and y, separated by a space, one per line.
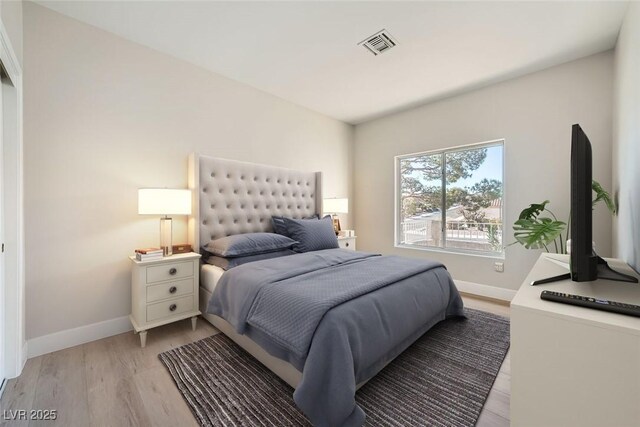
pixel 607 273
pixel 561 277
pixel 603 272
pixel 572 366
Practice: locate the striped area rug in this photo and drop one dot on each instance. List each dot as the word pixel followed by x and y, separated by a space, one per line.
pixel 443 379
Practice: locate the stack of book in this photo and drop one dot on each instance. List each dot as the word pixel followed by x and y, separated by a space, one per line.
pixel 148 254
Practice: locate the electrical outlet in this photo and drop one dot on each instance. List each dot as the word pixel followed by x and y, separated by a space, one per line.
pixel 498 266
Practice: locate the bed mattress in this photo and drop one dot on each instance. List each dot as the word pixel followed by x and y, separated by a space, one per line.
pixel 209 276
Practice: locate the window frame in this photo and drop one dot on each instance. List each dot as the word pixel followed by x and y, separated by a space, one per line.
pixel 501 142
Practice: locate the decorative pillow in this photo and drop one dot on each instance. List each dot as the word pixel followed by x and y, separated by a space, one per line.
pixel 280 227
pixel 227 263
pixel 248 244
pixel 312 235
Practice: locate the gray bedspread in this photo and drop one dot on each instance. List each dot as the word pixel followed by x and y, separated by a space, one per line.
pixel 338 316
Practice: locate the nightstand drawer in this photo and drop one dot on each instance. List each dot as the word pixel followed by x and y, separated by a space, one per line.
pixel 169 308
pixel 169 290
pixel 347 243
pixel 169 271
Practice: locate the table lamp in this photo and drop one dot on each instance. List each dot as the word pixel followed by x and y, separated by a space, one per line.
pixel 164 201
pixel 334 207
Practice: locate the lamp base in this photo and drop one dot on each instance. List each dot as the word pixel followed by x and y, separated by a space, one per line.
pixel 165 236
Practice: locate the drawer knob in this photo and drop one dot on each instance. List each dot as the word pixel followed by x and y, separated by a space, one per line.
pixel 173 307
pixel 346 244
pixel 172 290
pixel 173 271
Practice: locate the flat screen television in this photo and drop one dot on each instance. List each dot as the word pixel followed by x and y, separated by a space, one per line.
pixel 585 264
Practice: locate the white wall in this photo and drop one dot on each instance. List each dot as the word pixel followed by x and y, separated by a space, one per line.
pixel 105 116
pixel 626 139
pixel 534 115
pixel 11 15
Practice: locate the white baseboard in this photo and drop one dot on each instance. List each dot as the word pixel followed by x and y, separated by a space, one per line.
pixel 76 336
pixel 25 354
pixel 485 290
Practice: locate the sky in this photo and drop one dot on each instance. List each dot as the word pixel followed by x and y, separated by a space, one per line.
pixel 491 168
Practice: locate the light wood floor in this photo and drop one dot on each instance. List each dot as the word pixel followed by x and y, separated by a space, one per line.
pixel 113 382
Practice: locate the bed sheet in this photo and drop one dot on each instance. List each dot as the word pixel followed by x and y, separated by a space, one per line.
pixel 209 276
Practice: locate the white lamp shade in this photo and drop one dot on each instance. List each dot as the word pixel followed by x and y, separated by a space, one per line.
pixel 335 205
pixel 164 201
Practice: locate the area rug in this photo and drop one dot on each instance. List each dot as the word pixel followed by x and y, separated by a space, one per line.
pixel 443 379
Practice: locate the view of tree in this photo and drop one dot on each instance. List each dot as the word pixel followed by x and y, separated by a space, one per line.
pixel 471 180
pixel 480 196
pixel 461 164
pixel 418 196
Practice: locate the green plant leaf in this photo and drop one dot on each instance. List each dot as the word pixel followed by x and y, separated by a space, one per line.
pixel 533 210
pixel 604 196
pixel 537 233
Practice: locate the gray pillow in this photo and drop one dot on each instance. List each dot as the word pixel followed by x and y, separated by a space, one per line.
pixel 227 263
pixel 248 244
pixel 311 234
pixel 280 227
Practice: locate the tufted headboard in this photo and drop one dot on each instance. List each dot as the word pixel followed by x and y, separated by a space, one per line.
pixel 232 197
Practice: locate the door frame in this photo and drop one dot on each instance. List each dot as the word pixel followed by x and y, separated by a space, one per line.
pixel 15 341
pixel 3 328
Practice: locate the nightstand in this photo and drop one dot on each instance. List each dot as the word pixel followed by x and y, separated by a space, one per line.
pixel 164 291
pixel 347 242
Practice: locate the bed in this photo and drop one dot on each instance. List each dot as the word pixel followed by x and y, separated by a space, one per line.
pixel 325 321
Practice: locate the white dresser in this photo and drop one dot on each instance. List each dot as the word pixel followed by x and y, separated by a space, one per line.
pixel 164 291
pixel 574 366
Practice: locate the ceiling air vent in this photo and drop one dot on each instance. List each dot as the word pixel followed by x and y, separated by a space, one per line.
pixel 378 43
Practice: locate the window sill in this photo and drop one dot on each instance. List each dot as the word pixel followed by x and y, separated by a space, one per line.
pixel 490 255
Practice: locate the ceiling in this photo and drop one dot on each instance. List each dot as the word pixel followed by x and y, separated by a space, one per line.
pixel 307 52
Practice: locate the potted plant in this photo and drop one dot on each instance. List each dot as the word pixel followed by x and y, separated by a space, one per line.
pixel 534 230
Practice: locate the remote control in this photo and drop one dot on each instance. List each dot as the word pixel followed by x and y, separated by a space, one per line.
pixel 590 302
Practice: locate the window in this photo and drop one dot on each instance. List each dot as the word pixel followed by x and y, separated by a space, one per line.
pixel 451 199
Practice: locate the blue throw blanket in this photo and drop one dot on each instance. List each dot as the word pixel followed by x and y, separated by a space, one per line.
pixel 338 316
